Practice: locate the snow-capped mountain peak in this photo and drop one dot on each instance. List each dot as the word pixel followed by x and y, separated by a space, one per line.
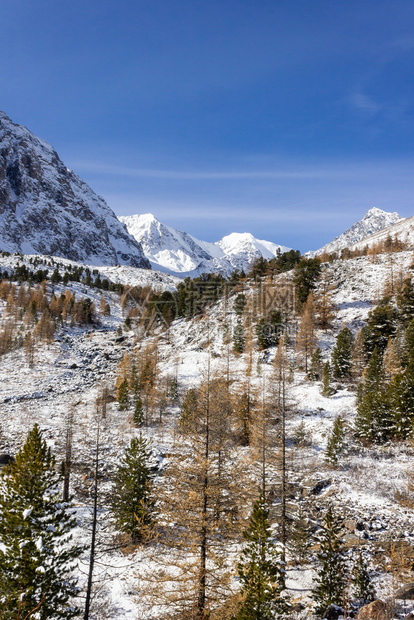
pixel 178 252
pixel 373 221
pixel 47 209
pixel 235 243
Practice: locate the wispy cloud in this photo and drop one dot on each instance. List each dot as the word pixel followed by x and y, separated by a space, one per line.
pixel 196 175
pixel 364 103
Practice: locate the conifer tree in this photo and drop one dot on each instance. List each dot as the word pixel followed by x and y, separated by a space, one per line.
pixel 139 415
pixel 316 365
pixel 331 574
pixel 260 570
pixel 358 357
pixel 336 443
pixel 405 301
pixel 173 391
pixel 123 395
pixel 380 326
pixel 342 353
pixel 324 304
pixel 133 500
pixel 245 403
pixel 373 422
pixel 400 404
pixel 306 274
pixel 281 398
pixel 203 504
pixel 392 360
pixel 300 538
pixel 36 556
pixel 373 376
pixel 409 342
pixel 326 383
pixel 239 339
pixel 239 304
pixel 306 339
pixel 362 587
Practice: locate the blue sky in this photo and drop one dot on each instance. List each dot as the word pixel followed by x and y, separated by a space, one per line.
pixel 285 119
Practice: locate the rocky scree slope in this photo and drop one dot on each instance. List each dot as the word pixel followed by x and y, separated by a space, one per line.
pixel 183 255
pixel 47 209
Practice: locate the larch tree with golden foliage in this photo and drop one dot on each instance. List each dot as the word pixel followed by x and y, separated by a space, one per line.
pixel 306 338
pixel 202 508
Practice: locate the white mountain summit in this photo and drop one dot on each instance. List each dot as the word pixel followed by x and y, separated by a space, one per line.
pixel 181 254
pixel 373 221
pixel 47 209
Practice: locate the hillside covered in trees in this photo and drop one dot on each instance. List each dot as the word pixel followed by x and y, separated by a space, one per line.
pixel 225 448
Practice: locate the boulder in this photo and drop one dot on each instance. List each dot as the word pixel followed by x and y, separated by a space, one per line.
pixel 405 593
pixel 320 486
pixel 5 459
pixel 377 610
pixel 350 525
pixel 333 612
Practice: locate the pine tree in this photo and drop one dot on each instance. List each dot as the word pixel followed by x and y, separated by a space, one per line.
pixel 264 333
pixel 260 570
pixel 239 339
pixel 36 556
pixel 373 376
pixel 405 301
pixel 373 422
pixel 326 384
pixel 392 360
pixel 133 501
pixel 173 391
pixel 342 353
pixel 300 538
pixel 316 365
pixel 362 587
pixel 239 304
pixel 123 395
pixel 139 415
pixel 306 274
pixel 409 342
pixel 336 443
pixel 331 573
pixel 400 404
pixel 380 326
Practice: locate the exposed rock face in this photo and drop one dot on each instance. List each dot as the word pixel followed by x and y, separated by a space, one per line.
pixel 405 593
pixel 377 610
pixel 47 209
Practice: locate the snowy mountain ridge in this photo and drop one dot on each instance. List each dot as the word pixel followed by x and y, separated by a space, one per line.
pixel 402 230
pixel 181 254
pixel 47 209
pixel 374 220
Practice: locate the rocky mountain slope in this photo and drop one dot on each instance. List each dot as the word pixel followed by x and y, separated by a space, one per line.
pixel 47 209
pixel 373 221
pixel 402 231
pixel 181 254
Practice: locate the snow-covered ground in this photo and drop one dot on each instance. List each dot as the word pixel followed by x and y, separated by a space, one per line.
pixel 71 372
